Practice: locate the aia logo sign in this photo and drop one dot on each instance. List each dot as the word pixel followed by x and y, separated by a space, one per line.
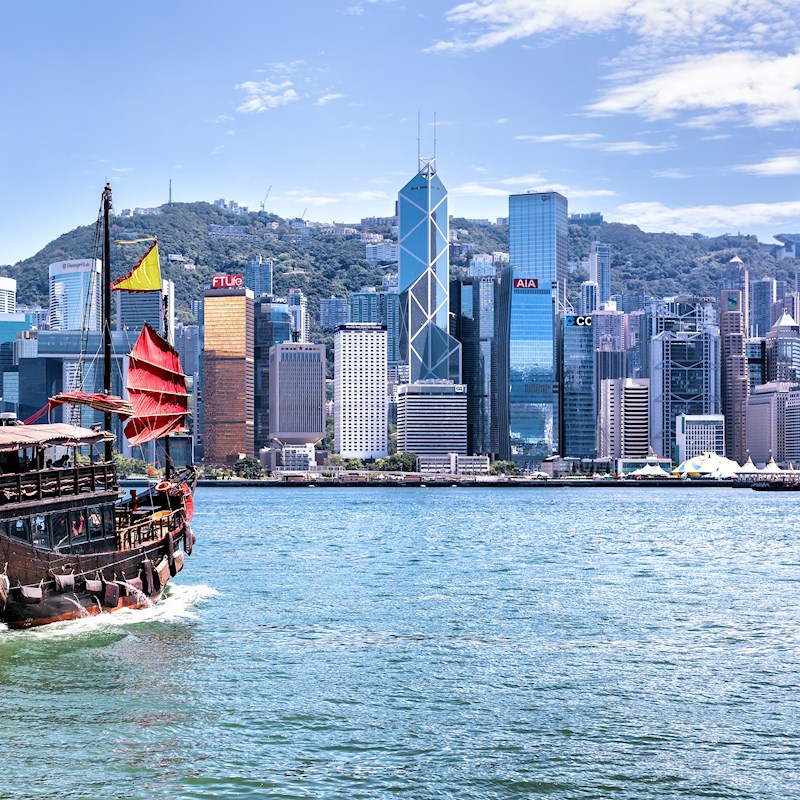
pixel 227 281
pixel 579 321
pixel 526 283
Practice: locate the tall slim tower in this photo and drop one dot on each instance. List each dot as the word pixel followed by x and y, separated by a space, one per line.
pixel 735 384
pixel 425 342
pixel 600 269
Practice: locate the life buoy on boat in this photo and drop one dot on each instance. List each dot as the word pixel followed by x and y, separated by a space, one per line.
pixel 147 577
pixel 188 539
pixel 5 587
pixel 163 486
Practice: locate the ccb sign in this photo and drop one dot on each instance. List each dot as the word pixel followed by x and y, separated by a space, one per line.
pixel 227 281
pixel 579 321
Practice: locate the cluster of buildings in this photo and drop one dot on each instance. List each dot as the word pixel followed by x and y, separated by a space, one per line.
pixel 495 364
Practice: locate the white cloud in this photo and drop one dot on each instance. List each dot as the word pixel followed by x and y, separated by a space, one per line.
pixel 755 88
pixel 568 138
pixel 308 198
pixel 327 98
pixel 671 174
pixel 224 118
pixel 632 148
pixel 217 150
pixel 524 183
pixel 788 164
pixel 122 169
pixel 263 95
pixel 502 121
pixel 489 23
pixel 708 218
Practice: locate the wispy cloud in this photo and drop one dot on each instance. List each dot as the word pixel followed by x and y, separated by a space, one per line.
pixel 483 24
pixel 262 95
pixel 634 148
pixel 708 218
pixel 788 164
pixel 671 174
pixel 567 138
pixel 502 121
pixel 502 187
pixel 756 88
pixel 329 98
pixel 308 197
pixel 122 169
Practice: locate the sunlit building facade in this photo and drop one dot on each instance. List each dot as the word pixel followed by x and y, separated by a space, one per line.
pixel 228 406
pixel 75 295
pixel 578 406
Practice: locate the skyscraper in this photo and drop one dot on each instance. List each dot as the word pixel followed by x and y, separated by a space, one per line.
pixel 379 308
pixel 360 401
pixel 8 295
pixel 623 423
pixel 297 392
pixel 528 404
pixel 432 418
pixel 136 308
pixel 589 301
pixel 258 275
pixel 734 383
pixel 298 308
pixel 737 277
pixel 473 301
pixel 273 324
pixel 600 269
pixel 75 295
pixel 425 343
pixel 578 406
pixel 538 236
pixel 684 367
pixel 763 294
pixel 228 374
pixel 333 312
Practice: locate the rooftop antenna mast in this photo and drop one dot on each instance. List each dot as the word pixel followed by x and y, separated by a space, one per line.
pixel 419 141
pixel 170 191
pixel 434 137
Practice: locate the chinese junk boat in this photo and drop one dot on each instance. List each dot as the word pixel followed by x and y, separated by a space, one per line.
pixel 70 545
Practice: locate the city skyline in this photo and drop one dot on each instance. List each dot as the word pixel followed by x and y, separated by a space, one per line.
pixel 619 128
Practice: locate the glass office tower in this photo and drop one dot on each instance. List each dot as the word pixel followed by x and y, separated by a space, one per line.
pixel 425 344
pixel 578 416
pixel 528 408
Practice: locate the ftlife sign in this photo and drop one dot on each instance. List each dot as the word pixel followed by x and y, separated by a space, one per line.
pixel 227 281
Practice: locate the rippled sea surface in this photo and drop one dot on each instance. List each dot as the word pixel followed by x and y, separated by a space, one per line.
pixel 433 643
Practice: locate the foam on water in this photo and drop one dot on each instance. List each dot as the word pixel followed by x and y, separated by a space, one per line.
pixel 178 603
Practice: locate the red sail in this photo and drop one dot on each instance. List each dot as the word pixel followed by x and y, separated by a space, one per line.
pixel 157 389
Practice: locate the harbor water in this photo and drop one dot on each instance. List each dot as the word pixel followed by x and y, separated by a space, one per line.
pixel 432 643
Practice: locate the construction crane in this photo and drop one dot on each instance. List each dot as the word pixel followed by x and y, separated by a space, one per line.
pixel 264 201
pixel 304 213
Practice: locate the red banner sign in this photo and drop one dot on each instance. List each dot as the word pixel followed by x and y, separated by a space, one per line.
pixel 227 281
pixel 526 283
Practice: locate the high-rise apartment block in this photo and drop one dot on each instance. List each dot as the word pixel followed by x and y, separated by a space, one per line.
pixel 136 308
pixel 763 294
pixel 258 275
pixel 360 401
pixel 782 344
pixel 297 392
pixel 8 295
pixel 379 308
pixel 228 397
pixel 589 300
pixel 425 344
pixel 623 429
pixel 75 295
pixel 432 418
pixel 766 421
pixel 298 308
pixel 333 312
pixel 600 269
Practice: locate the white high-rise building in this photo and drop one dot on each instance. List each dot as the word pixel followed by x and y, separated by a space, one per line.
pixel 360 402
pixel 696 434
pixel 75 295
pixel 8 295
pixel 432 418
pixel 298 308
pixel 623 424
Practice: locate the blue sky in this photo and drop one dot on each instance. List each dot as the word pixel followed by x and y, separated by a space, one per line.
pixel 672 114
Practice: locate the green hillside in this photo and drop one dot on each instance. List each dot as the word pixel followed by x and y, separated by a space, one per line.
pixel 323 265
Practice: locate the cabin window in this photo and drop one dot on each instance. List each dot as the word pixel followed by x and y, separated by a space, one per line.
pixel 59 526
pixel 77 526
pixel 108 520
pixel 95 523
pixel 41 537
pixel 3 529
pixel 19 529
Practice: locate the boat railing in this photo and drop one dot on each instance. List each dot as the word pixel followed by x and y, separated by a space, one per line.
pixel 134 531
pixel 57 482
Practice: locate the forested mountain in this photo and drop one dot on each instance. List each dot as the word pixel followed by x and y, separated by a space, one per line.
pixel 324 265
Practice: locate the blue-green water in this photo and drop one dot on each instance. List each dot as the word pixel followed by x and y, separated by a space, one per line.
pixel 421 643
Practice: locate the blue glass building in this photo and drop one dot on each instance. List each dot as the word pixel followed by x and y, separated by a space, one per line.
pixel 528 406
pixel 600 269
pixel 379 308
pixel 578 404
pixel 538 238
pixel 473 302
pixel 75 295
pixel 424 274
pixel 273 325
pixel 258 275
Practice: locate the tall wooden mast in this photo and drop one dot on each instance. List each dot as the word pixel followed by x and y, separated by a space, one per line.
pixel 107 310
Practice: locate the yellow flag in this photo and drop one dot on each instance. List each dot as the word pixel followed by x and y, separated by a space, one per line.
pixel 144 277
